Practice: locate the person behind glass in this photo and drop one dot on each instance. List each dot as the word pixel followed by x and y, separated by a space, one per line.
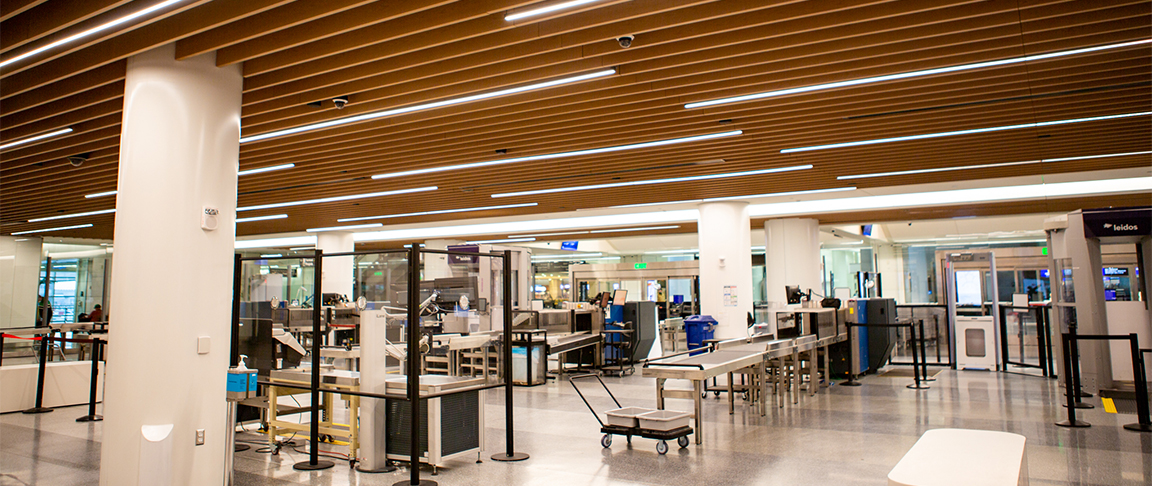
pixel 40 304
pixel 97 314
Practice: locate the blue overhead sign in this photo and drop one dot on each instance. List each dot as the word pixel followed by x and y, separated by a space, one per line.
pixel 569 245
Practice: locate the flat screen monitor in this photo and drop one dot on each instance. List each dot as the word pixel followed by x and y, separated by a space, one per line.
pixel 794 294
pixel 605 299
pixel 619 297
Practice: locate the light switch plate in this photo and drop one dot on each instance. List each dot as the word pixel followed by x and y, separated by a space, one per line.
pixel 199 437
pixel 203 345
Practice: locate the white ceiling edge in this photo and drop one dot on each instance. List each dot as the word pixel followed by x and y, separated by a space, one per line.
pixel 1117 181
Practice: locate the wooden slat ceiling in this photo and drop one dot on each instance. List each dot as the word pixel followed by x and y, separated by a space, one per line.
pixel 392 54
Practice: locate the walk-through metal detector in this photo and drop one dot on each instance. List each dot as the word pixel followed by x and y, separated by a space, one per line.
pixel 969 336
pixel 1077 272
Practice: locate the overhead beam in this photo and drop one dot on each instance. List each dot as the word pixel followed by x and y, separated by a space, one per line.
pixel 261 24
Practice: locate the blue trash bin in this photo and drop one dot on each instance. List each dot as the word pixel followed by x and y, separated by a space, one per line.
pixel 699 329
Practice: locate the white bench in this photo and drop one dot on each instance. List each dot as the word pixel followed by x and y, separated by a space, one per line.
pixel 962 457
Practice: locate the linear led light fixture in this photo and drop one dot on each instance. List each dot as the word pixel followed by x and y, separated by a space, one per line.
pixel 89 32
pixel 566 233
pixel 913 74
pixel 272 255
pixel 261 218
pixel 345 228
pixel 558 155
pixel 337 198
pixel 53 229
pixel 549 9
pixel 986 166
pixel 265 169
pixel 725 175
pixel 74 215
pixel 624 230
pixel 302 248
pixel 962 132
pixel 730 198
pixel 241 173
pixel 671 252
pixel 31 139
pixel 427 106
pixel 563 256
pixel 506 240
pixel 440 211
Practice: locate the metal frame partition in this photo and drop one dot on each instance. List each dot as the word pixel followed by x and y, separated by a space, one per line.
pixel 941 339
pixel 1043 338
pixel 413 335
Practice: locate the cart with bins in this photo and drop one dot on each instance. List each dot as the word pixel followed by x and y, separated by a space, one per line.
pixel 661 425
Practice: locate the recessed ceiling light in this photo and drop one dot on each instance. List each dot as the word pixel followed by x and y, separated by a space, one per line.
pixel 100 194
pixel 261 218
pixel 536 235
pixel 427 106
pixel 548 9
pixel 506 240
pixel 625 230
pixel 302 248
pixel 265 169
pixel 345 228
pixel 566 256
pixel 655 181
pixel 337 198
pixel 94 30
pixel 74 215
pixel 35 138
pixel 529 158
pixel 440 211
pixel 272 255
pixel 750 196
pixel 914 74
pixel 60 228
pixel 983 166
pixel 962 132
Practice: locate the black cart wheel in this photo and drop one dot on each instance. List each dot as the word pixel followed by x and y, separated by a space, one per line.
pixel 682 441
pixel 606 441
pixel 662 447
pixel 716 393
pixel 745 396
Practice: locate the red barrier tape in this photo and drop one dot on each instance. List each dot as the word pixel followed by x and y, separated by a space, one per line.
pixel 6 336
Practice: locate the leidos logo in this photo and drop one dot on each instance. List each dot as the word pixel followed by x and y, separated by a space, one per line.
pixel 1121 227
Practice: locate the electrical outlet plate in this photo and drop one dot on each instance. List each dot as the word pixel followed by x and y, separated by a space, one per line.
pixel 199 437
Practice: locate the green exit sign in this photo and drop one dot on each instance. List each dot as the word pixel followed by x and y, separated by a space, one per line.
pixel 640 266
pixel 1044 250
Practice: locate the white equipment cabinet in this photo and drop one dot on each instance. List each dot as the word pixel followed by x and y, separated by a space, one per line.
pixel 975 343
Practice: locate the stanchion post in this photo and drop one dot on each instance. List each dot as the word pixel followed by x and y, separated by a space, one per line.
pixel 924 354
pixel 45 343
pixel 92 383
pixel 916 385
pixel 2 348
pixel 314 462
pixel 1077 388
pixel 412 373
pixel 510 455
pixel 1144 423
pixel 1069 387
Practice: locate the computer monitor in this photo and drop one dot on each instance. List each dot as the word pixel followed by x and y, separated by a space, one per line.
pixel 619 297
pixel 604 299
pixel 793 293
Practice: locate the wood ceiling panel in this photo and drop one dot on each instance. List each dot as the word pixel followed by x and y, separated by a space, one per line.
pixel 387 54
pixel 44 20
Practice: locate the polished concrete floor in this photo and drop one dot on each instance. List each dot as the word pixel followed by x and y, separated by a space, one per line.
pixel 842 436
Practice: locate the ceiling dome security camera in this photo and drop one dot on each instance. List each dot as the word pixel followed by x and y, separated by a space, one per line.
pixel 340 101
pixel 625 41
pixel 78 160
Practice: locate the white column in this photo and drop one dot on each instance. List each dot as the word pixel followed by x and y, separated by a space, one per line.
pixel 791 256
pixel 179 150
pixel 726 266
pixel 338 271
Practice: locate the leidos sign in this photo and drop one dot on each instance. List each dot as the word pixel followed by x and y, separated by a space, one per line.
pixel 1102 223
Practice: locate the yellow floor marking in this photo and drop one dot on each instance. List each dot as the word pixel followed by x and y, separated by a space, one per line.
pixel 1109 406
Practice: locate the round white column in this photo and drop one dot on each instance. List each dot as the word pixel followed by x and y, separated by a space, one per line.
pixel 338 271
pixel 726 266
pixel 791 257
pixel 170 287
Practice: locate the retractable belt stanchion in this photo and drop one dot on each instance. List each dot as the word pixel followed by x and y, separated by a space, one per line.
pixel 916 385
pixel 93 382
pixel 1066 341
pixel 412 373
pixel 45 342
pixel 509 455
pixel 1077 389
pixel 1144 422
pixel 924 354
pixel 314 461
